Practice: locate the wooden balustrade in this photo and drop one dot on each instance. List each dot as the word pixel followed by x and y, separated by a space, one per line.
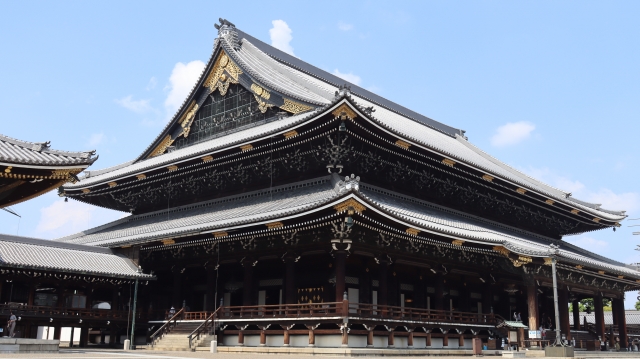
pixel 58 312
pixel 331 309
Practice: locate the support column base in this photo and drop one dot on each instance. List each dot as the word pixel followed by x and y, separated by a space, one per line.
pixel 391 346
pixel 369 346
pixel 410 347
pixel 564 352
pixel 262 345
pixel 285 345
pixel 311 346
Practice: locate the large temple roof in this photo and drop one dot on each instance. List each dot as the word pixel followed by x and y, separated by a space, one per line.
pixel 39 254
pixel 294 200
pixel 301 81
pixel 38 153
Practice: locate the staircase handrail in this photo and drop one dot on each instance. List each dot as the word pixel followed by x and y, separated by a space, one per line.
pixel 166 326
pixel 202 328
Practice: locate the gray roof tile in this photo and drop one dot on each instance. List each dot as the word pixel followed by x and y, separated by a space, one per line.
pixel 31 153
pixel 39 254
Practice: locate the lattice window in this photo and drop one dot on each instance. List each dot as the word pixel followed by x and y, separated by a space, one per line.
pixel 237 109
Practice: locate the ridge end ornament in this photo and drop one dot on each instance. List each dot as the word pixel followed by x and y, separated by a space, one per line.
pixel 344 112
pixel 348 184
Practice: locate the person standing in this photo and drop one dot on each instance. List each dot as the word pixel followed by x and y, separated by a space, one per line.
pixel 12 324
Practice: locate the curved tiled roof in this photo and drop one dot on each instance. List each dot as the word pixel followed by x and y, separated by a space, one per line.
pixel 268 205
pixel 39 254
pixel 285 73
pixel 34 153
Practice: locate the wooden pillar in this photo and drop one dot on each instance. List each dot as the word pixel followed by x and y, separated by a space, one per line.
pixel 286 337
pixel 103 336
pixel 439 295
pixel 429 340
pixel 599 314
pixel 56 332
pixel 240 337
pixel 71 340
pixel 345 335
pixel 247 291
pixel 290 280
pixel 32 292
pixel 487 299
pixel 576 314
pixel 383 287
pixel 532 306
pixel 112 335
pixel 410 339
pixel 176 297
pixel 84 337
pixel 341 263
pixel 614 310
pixel 563 305
pixel 445 340
pixel 210 304
pixel 263 336
pixel 370 337
pixel 390 341
pixel 312 336
pixel 622 321
pixel 461 341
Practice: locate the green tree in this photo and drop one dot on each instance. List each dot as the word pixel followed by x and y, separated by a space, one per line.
pixel 638 305
pixel 588 302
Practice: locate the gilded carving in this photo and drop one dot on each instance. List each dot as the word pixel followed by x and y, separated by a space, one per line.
pixel 220 234
pixel 344 111
pixel 164 144
pixel 550 202
pixel 259 91
pixel 112 184
pixel 575 211
pixel 246 147
pixel 141 176
pixel 294 107
pixel 86 190
pixel 207 158
pixel 457 242
pixel 263 106
pixel 448 162
pixel 596 219
pixel 521 190
pixel 290 134
pixel 502 250
pixel 218 79
pixel 413 231
pixel 547 261
pixel 187 118
pixel 274 225
pixel 172 168
pixel 488 178
pixel 402 144
pixel 168 241
pixel 350 203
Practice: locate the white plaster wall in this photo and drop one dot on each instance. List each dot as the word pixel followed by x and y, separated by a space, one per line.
pixel 357 341
pixel 298 340
pixel 251 340
pixel 328 341
pixel 436 343
pixel 276 340
pixel 380 341
pixel 230 340
pixel 400 342
pixel 419 342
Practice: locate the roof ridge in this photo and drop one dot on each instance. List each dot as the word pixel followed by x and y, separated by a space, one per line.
pixel 44 147
pixel 54 243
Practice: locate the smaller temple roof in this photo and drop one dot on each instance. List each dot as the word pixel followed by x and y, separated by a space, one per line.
pixel 40 254
pixel 40 154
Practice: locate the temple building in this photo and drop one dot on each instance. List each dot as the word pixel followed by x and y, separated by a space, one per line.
pixel 29 169
pixel 282 206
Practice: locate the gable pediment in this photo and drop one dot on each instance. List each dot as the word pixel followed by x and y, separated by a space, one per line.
pixel 227 98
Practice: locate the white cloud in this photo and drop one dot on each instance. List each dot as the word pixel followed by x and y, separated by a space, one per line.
pixel 624 201
pixel 70 217
pixel 628 201
pixel 281 37
pixel 344 26
pixel 137 106
pixel 354 79
pixel 96 139
pixel 181 81
pixel 152 83
pixel 512 133
pixel 588 243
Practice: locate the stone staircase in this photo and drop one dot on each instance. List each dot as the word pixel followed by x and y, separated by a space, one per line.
pixel 178 338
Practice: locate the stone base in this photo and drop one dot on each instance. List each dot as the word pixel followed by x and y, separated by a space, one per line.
pixel 19 345
pixel 513 354
pixel 558 352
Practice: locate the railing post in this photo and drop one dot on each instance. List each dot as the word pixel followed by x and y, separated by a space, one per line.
pixel 345 305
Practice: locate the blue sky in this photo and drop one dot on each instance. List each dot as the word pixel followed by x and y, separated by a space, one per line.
pixel 551 88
